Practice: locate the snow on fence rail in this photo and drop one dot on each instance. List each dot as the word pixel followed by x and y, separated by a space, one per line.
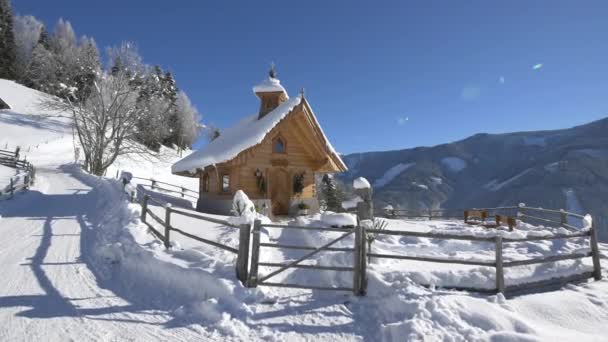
pixel 184 192
pixel 11 159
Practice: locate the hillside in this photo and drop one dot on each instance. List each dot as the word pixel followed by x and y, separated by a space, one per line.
pixel 565 168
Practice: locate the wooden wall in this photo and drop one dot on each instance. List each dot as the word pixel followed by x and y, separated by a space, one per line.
pixel 299 157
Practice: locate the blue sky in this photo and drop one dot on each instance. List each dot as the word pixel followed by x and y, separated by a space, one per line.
pixel 380 75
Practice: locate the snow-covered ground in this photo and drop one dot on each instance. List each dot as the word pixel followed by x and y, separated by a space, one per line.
pixel 78 265
pixel 6 173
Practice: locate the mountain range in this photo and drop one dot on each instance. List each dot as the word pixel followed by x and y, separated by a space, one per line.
pixel 566 168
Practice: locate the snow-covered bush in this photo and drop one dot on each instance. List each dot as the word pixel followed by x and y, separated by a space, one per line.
pixel 244 210
pixel 241 204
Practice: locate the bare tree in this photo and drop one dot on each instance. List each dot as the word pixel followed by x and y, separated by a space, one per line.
pixel 106 121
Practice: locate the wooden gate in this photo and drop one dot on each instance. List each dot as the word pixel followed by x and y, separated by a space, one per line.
pixel 358 268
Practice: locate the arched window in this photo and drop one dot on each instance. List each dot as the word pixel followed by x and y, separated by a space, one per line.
pixel 278 145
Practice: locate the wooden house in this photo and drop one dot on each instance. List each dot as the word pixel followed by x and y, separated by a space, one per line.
pixel 274 156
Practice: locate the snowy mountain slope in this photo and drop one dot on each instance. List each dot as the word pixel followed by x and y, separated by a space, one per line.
pixel 27 123
pixel 497 169
pixel 78 265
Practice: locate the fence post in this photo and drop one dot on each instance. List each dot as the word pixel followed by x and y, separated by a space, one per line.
pixel 168 225
pixel 500 275
pixel 357 261
pixel 597 268
pixel 116 173
pixel 563 217
pixel 363 263
pixel 242 259
pixel 144 208
pixel 252 277
pixel 153 183
pixel 183 191
pixel 12 188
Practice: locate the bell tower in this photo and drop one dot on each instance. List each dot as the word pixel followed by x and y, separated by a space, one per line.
pixel 271 93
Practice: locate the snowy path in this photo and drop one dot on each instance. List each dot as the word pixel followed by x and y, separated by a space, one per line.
pixel 48 291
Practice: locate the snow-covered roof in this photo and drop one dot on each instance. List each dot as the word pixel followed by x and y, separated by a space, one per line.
pixel 269 85
pixel 245 134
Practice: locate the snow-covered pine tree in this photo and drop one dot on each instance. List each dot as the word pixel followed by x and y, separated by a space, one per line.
pixel 332 194
pixel 41 72
pixel 88 67
pixel 27 31
pixel 8 49
pixel 188 121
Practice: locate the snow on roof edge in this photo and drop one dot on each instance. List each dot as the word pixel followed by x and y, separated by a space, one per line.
pixel 245 134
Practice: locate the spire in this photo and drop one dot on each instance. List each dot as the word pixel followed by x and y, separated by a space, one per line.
pixel 272 72
pixel 271 92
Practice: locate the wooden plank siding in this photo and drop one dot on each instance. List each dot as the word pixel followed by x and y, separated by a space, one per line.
pixel 304 153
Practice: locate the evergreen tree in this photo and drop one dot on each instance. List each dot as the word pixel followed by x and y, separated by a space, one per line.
pixel 117 66
pixel 41 73
pixel 8 49
pixel 26 30
pixel 332 193
pixel 88 68
pixel 44 39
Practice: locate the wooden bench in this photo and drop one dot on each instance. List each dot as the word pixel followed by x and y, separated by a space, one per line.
pixel 480 216
pixel 511 222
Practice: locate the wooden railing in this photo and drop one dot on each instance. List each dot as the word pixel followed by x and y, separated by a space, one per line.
pixel 11 159
pixel 255 279
pixel 499 263
pixel 242 251
pixel 168 187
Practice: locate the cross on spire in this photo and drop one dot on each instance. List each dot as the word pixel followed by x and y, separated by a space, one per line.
pixel 272 73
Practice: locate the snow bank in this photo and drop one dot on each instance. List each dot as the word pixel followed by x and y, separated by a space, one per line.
pixel 454 164
pixel 391 174
pixel 339 219
pixel 247 133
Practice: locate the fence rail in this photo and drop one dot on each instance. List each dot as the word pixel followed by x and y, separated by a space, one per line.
pixel 11 159
pixel 168 228
pixel 176 189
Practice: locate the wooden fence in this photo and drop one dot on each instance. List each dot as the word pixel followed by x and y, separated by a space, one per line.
pixel 168 187
pixel 522 212
pixel 168 228
pixel 11 159
pixel 250 246
pixel 255 279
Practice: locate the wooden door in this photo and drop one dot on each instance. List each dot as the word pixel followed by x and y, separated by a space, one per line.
pixel 280 191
